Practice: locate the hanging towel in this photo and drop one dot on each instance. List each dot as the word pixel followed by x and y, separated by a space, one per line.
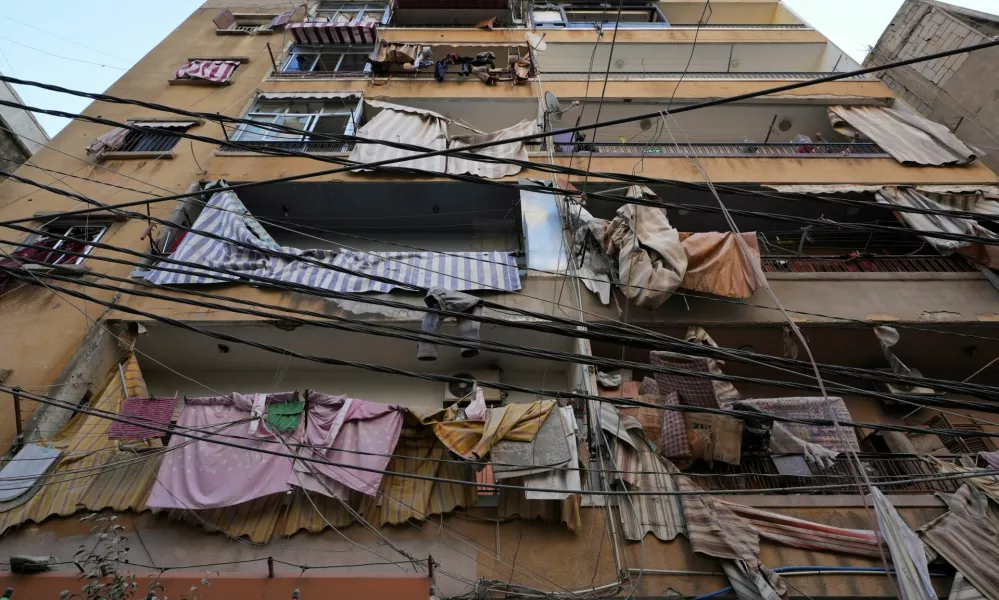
pixel 284 416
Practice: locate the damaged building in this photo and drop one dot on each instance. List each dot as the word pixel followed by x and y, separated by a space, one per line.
pixel 400 300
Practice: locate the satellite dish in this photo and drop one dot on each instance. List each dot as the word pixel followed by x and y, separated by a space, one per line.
pixel 552 106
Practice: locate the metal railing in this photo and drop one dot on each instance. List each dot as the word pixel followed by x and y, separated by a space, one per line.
pixel 309 146
pixel 861 264
pixel 884 471
pixel 699 75
pixel 453 75
pixel 145 141
pixel 739 26
pixel 748 149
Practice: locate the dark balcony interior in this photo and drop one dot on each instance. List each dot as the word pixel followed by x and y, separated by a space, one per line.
pixel 791 130
pixel 450 13
pixel 388 216
pixel 794 247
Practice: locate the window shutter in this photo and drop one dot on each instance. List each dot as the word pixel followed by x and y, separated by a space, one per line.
pixel 282 19
pixel 225 19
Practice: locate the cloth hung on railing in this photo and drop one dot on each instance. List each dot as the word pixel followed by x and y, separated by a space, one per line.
pixel 907 552
pixel 985 254
pixel 225 215
pixel 650 258
pixel 831 408
pixel 216 71
pixel 716 264
pixel 429 131
pixel 109 142
pixel 350 433
pixel 206 475
pixel 910 138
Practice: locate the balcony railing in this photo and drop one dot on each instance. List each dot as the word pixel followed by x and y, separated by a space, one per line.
pixel 887 472
pixel 309 146
pixel 697 75
pixel 747 149
pixel 739 26
pixel 881 264
pixel 452 75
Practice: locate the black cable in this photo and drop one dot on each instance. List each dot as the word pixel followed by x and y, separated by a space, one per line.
pixel 385 369
pixel 326 265
pixel 405 333
pixel 83 410
pixel 543 134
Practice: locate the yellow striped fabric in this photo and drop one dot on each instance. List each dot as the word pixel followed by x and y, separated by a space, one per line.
pixel 513 503
pixel 302 515
pixel 403 498
pixel 474 439
pixel 85 445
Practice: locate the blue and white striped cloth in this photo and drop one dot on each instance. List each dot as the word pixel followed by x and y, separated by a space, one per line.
pixel 226 216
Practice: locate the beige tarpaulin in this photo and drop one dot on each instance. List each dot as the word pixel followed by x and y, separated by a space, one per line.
pixel 716 264
pixel 909 138
pixel 931 223
pixel 425 128
pixel 490 170
pixel 650 257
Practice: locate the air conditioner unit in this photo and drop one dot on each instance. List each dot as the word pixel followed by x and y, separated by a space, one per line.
pixel 461 392
pixel 896 389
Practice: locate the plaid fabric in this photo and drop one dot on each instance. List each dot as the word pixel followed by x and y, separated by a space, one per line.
pixel 649 386
pixel 156 411
pixel 811 408
pixel 693 391
pixel 673 440
pixel 715 530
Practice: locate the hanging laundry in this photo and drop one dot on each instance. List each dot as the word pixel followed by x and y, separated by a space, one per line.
pixel 908 554
pixel 450 300
pixel 284 416
pixel 348 433
pixel 153 411
pixel 202 474
pixel 472 440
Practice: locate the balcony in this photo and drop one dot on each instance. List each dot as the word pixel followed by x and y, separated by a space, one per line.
pixel 760 473
pixel 307 146
pixel 867 264
pixel 694 75
pixel 866 150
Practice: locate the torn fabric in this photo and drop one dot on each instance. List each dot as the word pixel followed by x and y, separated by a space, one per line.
pixel 967 537
pixel 594 267
pixel 934 223
pixel 808 535
pixel 715 530
pixel 642 514
pixel 888 337
pixel 716 264
pixel 226 216
pixel 109 142
pixel 558 480
pixel 910 138
pixel 457 165
pixel 907 552
pixel 650 258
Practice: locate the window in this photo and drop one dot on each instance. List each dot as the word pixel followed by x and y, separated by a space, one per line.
pixel 961 445
pixel 327 59
pixel 56 251
pixel 321 116
pixel 151 141
pixel 586 15
pixel 226 22
pixel 348 13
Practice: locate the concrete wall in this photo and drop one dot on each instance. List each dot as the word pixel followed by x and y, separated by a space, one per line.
pixel 958 91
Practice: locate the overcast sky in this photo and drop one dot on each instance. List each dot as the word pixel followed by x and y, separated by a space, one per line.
pixel 87 44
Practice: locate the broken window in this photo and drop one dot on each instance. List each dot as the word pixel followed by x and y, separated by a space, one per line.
pixel 50 248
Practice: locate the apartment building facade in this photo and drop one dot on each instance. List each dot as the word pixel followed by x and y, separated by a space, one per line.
pixel 955 92
pixel 303 286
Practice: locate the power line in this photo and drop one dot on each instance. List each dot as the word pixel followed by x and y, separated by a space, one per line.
pixel 211 439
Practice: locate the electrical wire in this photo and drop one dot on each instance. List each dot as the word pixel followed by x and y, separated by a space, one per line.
pixel 501 307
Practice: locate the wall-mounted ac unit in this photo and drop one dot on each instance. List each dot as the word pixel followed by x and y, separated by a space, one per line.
pixel 898 389
pixel 461 392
